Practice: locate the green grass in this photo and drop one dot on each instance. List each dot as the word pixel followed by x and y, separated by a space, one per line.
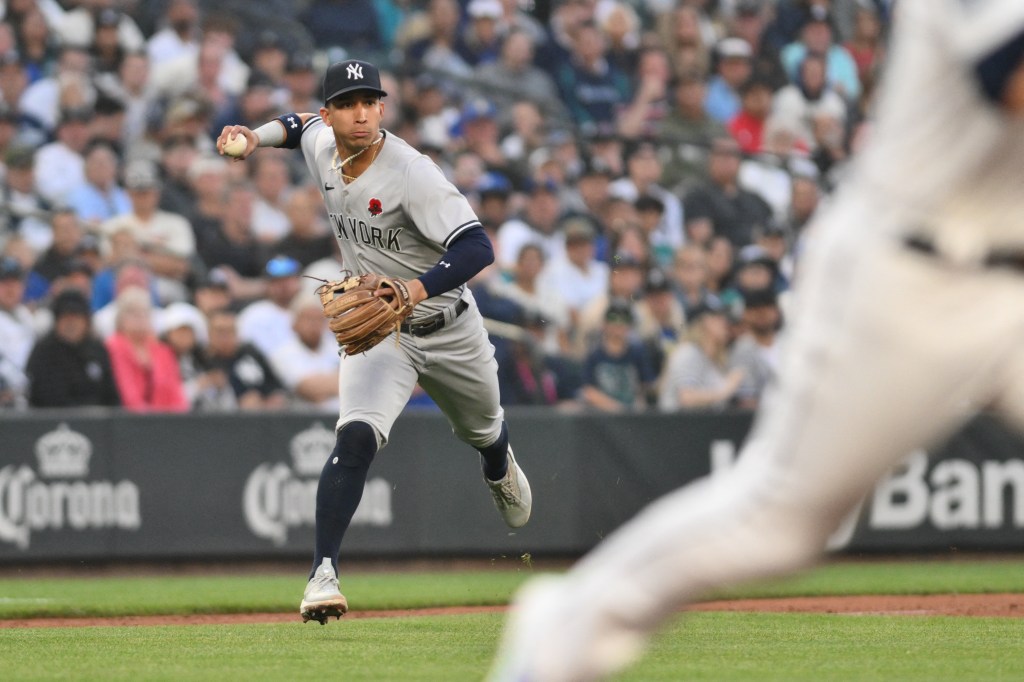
pixel 697 646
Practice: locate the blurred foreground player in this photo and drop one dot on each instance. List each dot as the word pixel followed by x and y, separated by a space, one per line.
pixel 915 279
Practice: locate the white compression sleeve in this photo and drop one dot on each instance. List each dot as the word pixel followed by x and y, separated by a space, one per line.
pixel 270 134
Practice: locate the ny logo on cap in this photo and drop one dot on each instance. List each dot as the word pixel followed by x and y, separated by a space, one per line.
pixel 355 71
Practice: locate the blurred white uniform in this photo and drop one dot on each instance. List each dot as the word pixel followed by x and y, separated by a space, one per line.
pixel 915 280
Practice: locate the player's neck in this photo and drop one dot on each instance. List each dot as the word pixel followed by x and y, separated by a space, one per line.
pixel 355 164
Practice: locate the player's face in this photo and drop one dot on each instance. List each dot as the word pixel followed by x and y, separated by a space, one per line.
pixel 355 118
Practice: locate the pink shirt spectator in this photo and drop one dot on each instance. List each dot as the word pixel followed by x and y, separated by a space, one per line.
pixel 155 386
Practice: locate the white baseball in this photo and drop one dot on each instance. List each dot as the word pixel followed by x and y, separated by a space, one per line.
pixel 235 146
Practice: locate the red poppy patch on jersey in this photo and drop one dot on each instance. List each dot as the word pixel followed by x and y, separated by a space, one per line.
pixel 375 207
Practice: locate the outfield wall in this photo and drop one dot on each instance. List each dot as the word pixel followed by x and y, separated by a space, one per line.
pixel 107 485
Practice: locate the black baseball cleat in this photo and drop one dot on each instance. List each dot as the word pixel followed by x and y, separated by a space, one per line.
pixel 322 598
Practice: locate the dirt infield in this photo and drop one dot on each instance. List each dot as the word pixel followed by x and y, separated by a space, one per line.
pixel 976 605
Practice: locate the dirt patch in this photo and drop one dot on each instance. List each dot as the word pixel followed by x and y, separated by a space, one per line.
pixel 977 605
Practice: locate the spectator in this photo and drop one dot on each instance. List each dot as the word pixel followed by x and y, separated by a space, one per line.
pixel 721 258
pixel 866 45
pixel 106 47
pixel 270 178
pixel 183 328
pixel 528 375
pixel 132 273
pixel 477 132
pixel 145 369
pixel 651 102
pixel 67 235
pixel 797 106
pixel 267 323
pixel 177 154
pixel 681 34
pixel 25 211
pixel 70 367
pixel 747 126
pixel 721 206
pixel 697 375
pixel 100 197
pixel 78 26
pixel 212 293
pixel 538 224
pixel 578 274
pixel 625 284
pixel 17 334
pixel 756 349
pixel 687 133
pixel 302 84
pixel 620 24
pixel 733 68
pixel 435 52
pixel 308 238
pixel 60 165
pixel 617 373
pixel 755 270
pixel 130 86
pixel 354 24
pixel 255 385
pixel 593 89
pixel 480 41
pixel 68 88
pixel 493 205
pixel 178 35
pixel 689 277
pixel 644 171
pixel 818 37
pixel 524 290
pixel 661 320
pixel 166 239
pixel 307 363
pixel 749 23
pixel 234 248
pixel 513 77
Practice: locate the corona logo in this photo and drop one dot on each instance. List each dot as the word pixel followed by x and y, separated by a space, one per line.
pixel 63 453
pixel 311 448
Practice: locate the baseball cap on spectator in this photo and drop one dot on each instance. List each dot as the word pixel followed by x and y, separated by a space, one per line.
pixel 11 268
pixel 485 9
pixel 181 314
pixel 141 174
pixel 711 305
pixel 619 311
pixel 76 266
pixel 578 229
pixel 657 281
pixel 282 266
pixel 760 298
pixel 75 115
pixel 20 157
pixel 70 302
pixel 215 279
pixel 733 48
pixel 351 75
pixel 108 18
pixel 475 109
pixel 89 243
pixel 753 254
pixel 547 185
pixel 624 259
pixel 298 62
pixel 494 184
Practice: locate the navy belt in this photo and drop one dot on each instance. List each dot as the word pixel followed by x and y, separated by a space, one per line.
pixel 1013 260
pixel 432 323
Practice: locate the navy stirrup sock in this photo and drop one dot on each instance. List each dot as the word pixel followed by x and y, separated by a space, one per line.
pixel 341 488
pixel 495 456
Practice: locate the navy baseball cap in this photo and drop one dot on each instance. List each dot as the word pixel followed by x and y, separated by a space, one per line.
pixel 350 75
pixel 10 268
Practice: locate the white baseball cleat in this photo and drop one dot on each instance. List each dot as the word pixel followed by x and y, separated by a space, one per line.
pixel 512 494
pixel 322 598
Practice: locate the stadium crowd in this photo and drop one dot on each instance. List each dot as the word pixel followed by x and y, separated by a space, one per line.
pixel 646 170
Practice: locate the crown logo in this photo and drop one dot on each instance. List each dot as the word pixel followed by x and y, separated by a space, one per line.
pixel 63 453
pixel 311 448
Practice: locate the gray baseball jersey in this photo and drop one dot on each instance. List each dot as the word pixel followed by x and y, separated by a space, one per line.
pixel 398 218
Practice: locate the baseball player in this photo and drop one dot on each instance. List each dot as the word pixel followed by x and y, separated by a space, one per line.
pixel 395 214
pixel 908 316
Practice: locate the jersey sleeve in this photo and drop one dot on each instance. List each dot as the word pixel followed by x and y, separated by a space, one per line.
pixel 316 143
pixel 435 205
pixel 973 29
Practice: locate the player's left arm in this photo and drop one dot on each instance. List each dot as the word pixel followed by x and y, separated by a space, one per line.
pixel 467 255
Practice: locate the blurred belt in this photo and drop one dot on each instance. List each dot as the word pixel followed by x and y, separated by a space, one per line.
pixel 432 323
pixel 999 258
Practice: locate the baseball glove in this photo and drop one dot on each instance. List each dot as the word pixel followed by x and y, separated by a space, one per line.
pixel 359 319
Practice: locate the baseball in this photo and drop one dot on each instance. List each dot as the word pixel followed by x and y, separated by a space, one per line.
pixel 235 146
